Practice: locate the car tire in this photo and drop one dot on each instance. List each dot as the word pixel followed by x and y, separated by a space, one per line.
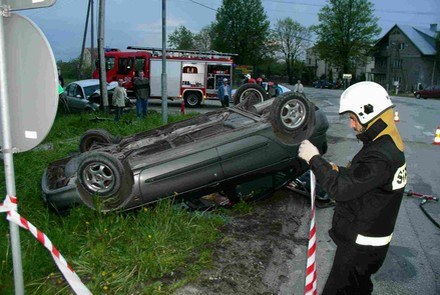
pixel 193 100
pixel 292 117
pixel 418 96
pixel 251 92
pixel 104 183
pixel 95 137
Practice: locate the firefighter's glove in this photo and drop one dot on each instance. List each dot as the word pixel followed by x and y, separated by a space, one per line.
pixel 307 151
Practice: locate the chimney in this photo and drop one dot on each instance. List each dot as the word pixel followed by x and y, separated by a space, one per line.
pixel 433 27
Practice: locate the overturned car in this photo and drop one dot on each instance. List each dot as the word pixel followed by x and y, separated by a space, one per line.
pixel 211 152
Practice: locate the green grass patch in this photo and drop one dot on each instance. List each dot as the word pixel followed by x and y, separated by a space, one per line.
pixel 152 250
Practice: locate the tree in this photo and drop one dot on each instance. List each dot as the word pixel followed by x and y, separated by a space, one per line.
pixel 346 32
pixel 292 39
pixel 203 40
pixel 69 70
pixel 242 27
pixel 181 38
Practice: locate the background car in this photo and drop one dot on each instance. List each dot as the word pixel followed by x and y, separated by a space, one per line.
pixel 428 92
pixel 215 151
pixel 85 96
pixel 323 84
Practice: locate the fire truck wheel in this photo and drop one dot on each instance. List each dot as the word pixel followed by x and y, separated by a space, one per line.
pixel 193 99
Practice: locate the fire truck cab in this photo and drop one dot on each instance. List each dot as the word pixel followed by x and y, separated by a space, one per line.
pixel 191 75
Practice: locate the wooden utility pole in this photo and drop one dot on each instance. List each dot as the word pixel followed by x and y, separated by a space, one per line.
pixel 102 68
pixel 78 74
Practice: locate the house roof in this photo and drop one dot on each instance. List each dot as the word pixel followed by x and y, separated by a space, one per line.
pixel 423 39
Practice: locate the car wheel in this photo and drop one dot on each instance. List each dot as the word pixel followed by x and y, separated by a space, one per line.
pixel 292 117
pixel 418 96
pixel 250 94
pixel 104 182
pixel 193 100
pixel 95 138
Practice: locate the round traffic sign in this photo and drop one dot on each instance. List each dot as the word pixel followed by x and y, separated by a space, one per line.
pixel 32 82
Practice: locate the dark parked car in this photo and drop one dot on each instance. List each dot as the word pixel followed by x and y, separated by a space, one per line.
pixel 211 152
pixel 428 92
pixel 323 84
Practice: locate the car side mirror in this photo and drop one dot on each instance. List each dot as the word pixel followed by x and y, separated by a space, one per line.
pixel 78 96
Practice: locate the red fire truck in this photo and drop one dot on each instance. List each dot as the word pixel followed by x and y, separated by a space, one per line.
pixel 191 75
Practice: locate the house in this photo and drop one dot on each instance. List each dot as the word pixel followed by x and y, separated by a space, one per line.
pixel 405 56
pixel 325 70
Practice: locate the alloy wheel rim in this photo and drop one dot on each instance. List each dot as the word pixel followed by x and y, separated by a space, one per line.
pixel 98 177
pixel 293 113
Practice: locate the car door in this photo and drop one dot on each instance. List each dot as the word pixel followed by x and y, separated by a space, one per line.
pixel 249 154
pixel 75 97
pixel 186 171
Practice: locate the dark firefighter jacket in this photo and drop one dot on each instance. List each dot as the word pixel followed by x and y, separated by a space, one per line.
pixel 370 190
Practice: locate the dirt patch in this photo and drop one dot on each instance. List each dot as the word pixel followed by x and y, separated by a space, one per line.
pixel 263 252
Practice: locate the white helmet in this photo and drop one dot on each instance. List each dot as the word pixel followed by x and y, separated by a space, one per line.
pixel 366 100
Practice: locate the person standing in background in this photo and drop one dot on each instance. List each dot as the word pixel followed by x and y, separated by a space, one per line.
pixel 118 99
pixel 298 87
pixel 141 87
pixel 60 78
pixel 224 93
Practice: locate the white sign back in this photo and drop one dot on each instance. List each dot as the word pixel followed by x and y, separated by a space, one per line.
pixel 32 82
pixel 27 4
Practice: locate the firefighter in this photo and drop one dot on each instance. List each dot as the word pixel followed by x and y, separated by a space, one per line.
pixel 368 192
pixel 248 79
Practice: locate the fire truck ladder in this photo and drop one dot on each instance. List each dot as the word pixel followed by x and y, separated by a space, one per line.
pixel 156 51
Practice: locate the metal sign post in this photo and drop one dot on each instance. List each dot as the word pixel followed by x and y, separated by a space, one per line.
pixel 8 160
pixel 164 65
pixel 17 64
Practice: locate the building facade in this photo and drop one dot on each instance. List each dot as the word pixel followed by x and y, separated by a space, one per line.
pixel 405 57
pixel 322 68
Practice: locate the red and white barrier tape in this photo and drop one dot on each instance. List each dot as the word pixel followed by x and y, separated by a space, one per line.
pixel 10 206
pixel 311 277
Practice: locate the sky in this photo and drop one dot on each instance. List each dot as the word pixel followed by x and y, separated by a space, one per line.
pixel 139 22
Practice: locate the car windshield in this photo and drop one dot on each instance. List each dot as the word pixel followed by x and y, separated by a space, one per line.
pixel 89 90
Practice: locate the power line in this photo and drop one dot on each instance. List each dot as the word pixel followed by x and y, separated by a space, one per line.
pixel 203 5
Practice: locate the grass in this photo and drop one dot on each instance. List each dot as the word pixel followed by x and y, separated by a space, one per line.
pixel 153 250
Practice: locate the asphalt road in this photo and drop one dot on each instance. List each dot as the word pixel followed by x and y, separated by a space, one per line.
pixel 413 262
